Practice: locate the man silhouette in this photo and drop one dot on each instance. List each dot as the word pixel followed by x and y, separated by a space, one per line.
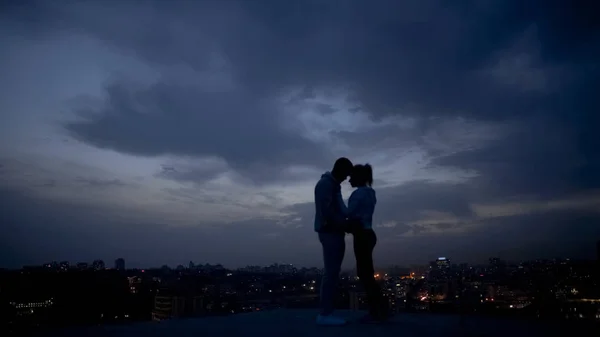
pixel 330 223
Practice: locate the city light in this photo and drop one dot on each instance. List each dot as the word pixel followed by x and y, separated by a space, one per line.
pixel 439 285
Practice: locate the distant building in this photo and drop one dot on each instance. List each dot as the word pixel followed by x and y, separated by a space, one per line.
pixel 98 265
pixel 32 307
pixel 52 265
pixel 134 284
pixel 442 263
pixel 439 269
pixel 120 264
pixel 168 306
pixel 358 301
pixel 82 265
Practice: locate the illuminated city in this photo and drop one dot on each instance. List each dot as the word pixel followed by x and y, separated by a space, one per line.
pixel 51 295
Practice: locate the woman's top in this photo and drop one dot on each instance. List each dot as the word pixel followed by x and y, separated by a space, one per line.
pixel 361 206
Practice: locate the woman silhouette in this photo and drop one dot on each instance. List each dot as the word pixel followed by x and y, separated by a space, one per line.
pixel 361 206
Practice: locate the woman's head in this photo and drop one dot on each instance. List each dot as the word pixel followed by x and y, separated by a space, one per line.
pixel 362 175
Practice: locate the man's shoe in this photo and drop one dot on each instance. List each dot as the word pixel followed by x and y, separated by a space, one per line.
pixel 330 320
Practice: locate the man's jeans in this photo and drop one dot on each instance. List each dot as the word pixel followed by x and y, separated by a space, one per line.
pixel 334 247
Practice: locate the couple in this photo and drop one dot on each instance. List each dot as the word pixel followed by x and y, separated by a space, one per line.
pixel 332 221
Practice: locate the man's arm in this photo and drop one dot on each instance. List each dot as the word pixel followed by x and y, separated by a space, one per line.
pixel 341 204
pixel 324 201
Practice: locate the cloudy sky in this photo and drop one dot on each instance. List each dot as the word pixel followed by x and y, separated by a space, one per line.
pixel 170 131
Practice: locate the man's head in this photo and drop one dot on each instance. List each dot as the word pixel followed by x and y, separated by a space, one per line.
pixel 342 169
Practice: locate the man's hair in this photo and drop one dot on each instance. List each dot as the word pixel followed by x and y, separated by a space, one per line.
pixel 343 164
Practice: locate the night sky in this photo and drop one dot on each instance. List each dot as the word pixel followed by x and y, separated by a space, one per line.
pixel 170 131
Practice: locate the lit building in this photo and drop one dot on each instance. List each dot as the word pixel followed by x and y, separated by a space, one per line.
pixel 52 265
pixel 168 306
pixel 134 284
pixel 439 269
pixel 29 308
pixel 442 263
pixel 120 264
pixel 402 287
pixel 358 301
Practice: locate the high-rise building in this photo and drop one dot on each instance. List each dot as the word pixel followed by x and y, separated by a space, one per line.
pixel 442 263
pixel 439 269
pixel 497 268
pixel 120 264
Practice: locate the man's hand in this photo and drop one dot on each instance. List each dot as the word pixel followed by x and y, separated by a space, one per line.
pixel 352 225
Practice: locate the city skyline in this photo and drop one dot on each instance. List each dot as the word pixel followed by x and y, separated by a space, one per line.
pixel 550 290
pixel 78 264
pixel 198 129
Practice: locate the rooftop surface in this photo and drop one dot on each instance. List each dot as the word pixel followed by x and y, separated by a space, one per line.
pixel 300 323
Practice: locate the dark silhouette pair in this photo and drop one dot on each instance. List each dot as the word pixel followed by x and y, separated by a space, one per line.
pixel 333 220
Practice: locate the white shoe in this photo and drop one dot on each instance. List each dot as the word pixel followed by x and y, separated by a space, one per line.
pixel 330 320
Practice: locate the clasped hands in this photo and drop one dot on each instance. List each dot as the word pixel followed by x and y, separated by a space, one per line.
pixel 351 225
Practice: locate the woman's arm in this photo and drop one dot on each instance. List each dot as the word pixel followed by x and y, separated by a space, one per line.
pixel 354 204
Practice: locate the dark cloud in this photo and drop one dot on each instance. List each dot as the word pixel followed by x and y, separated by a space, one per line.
pixel 539 158
pixel 406 202
pixel 426 53
pixel 93 182
pixel 431 55
pixel 196 174
pixel 429 58
pixel 168 119
pixel 381 137
pixel 530 64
